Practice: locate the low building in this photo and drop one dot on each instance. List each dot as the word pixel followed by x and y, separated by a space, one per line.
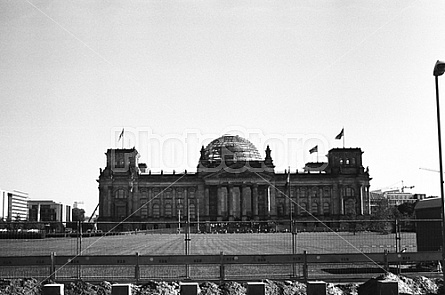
pixel 46 211
pixel 13 205
pixel 393 198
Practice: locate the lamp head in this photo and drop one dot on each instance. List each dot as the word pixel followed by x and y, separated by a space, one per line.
pixel 439 68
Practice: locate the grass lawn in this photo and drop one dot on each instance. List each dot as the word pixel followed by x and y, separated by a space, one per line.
pixel 174 244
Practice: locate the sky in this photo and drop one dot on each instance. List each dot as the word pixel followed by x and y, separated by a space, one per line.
pixel 177 74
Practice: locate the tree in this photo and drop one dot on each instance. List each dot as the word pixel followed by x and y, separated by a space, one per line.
pixel 78 214
pixel 407 209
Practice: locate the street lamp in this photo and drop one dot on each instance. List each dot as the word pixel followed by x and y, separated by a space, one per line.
pixel 439 69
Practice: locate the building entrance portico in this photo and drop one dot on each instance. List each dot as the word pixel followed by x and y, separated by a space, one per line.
pixel 239 201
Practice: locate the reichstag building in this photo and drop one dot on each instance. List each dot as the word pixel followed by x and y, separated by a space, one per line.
pixel 233 182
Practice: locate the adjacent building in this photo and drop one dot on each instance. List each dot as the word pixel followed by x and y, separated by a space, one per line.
pixel 13 205
pixel 48 211
pixel 394 198
pixel 233 182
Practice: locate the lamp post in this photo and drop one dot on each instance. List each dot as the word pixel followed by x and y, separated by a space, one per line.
pixel 439 69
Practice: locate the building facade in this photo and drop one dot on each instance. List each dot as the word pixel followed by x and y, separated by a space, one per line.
pixel 13 205
pixel 47 211
pixel 233 182
pixel 393 198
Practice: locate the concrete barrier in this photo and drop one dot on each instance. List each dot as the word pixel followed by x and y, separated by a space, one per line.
pixel 189 288
pixel 53 289
pixel 121 289
pixel 316 288
pixel 387 287
pixel 256 288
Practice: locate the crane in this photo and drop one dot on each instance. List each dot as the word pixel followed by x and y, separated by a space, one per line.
pixel 431 170
pixel 404 187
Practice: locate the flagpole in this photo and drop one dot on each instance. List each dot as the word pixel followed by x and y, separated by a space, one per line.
pixel 343 137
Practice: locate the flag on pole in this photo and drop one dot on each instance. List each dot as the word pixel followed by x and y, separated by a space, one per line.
pixel 121 135
pixel 340 135
pixel 314 149
pixel 287 179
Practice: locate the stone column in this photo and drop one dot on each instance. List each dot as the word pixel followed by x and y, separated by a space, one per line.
pixel 267 194
pixel 243 191
pixel 287 201
pixel 220 201
pixel 272 204
pixel 38 212
pixel 110 201
pixel 230 209
pixel 255 202
pixel 342 202
pixel 368 209
pixel 236 202
pixel 362 195
pixel 136 200
pixel 130 202
pixel 187 203
pixel 207 201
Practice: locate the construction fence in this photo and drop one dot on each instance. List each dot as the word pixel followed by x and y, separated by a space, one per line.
pixel 216 250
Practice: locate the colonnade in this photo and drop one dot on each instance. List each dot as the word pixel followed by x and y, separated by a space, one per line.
pixel 238 201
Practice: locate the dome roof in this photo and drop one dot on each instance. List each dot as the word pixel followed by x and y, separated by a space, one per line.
pixel 231 147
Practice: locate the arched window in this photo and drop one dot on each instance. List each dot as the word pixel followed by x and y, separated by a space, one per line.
pixel 168 210
pixel 349 192
pixel 280 209
pixel 303 209
pixel 180 209
pixel 192 211
pixel 303 192
pixel 143 205
pixel 314 208
pixel 156 211
pixel 120 194
pixel 314 192
pixel 326 208
pixel 350 207
pixel 326 192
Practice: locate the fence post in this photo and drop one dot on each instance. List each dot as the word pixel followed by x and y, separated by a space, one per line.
pixel 221 267
pixel 398 238
pixel 187 245
pixel 305 266
pixel 385 255
pixel 294 247
pixel 137 268
pixel 52 270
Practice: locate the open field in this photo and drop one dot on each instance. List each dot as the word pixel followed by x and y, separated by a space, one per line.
pixel 246 243
pixel 207 244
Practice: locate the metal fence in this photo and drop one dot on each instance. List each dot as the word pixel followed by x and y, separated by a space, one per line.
pixel 218 250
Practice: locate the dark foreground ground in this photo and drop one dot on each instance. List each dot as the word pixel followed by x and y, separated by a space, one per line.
pixel 418 285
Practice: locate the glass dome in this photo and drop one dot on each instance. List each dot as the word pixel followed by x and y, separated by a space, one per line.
pixel 231 147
